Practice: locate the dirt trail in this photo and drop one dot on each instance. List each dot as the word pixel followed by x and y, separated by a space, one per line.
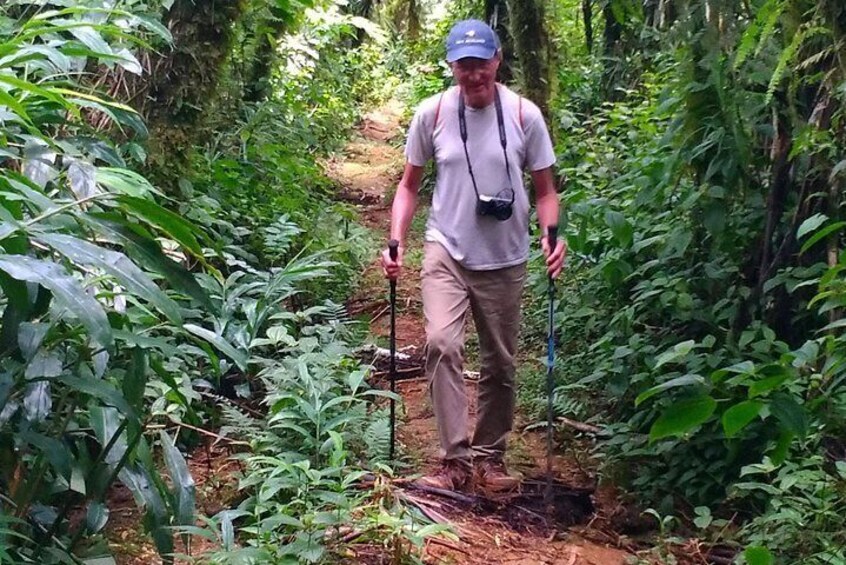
pixel 368 172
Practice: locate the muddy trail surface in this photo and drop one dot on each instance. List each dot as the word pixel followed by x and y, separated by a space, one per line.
pixel 578 527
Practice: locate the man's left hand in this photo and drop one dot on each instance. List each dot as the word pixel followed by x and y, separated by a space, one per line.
pixel 554 259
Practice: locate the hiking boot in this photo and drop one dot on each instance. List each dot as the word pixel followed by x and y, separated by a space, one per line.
pixel 491 476
pixel 452 474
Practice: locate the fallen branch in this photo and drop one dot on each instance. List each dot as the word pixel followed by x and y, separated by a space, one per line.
pixel 466 499
pixel 580 426
pixel 204 432
pixel 380 313
pixel 445 543
pixel 417 369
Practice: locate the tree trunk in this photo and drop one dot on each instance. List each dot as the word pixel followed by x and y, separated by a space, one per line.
pixel 531 47
pixel 183 81
pixel 496 14
pixel 611 50
pixel 587 16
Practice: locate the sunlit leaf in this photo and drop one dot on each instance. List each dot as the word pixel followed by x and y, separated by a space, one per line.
pixel 239 357
pixel 117 265
pixel 740 415
pixel 682 416
pixel 172 224
pixel 684 380
pixel 96 517
pixel 182 480
pixel 67 292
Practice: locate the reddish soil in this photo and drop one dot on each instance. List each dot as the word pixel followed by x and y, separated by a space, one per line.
pixel 510 531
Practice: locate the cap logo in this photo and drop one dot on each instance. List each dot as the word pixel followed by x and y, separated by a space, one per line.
pixel 471 33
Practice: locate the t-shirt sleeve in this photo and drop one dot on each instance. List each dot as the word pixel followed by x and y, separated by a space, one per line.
pixel 539 151
pixel 419 147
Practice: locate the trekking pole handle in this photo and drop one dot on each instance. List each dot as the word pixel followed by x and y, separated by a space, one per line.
pixel 552 237
pixel 393 247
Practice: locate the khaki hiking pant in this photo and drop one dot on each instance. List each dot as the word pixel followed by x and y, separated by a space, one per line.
pixel 494 298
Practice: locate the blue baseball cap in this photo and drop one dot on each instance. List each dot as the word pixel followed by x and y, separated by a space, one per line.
pixel 471 38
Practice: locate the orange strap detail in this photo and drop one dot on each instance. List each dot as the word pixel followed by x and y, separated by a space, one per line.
pixel 520 113
pixel 437 112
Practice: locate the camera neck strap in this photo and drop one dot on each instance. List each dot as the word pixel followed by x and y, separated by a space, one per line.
pixel 462 126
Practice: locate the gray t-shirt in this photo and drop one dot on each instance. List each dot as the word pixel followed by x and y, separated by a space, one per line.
pixel 479 243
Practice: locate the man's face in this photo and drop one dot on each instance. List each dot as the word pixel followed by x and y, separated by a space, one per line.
pixel 477 79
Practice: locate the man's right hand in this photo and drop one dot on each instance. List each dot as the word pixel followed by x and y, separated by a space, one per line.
pixel 391 268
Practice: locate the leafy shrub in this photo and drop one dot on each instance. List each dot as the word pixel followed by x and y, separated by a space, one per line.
pixel 94 308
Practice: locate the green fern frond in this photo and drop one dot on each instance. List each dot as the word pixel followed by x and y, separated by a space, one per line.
pixel 788 55
pixel 759 31
pixel 377 437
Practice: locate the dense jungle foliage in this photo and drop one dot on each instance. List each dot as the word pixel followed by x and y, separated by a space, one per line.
pixel 172 261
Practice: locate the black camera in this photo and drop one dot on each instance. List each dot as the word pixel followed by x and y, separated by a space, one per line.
pixel 499 208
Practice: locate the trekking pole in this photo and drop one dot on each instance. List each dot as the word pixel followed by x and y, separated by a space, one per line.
pixel 552 237
pixel 393 246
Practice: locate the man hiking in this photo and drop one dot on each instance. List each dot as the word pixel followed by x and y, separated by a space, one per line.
pixel 481 136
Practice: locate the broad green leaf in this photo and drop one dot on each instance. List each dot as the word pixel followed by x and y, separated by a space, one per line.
pixel 129 62
pixel 822 234
pixel 778 453
pixel 239 357
pixel 147 252
pixel 125 181
pixel 620 227
pixel 675 353
pixel 227 530
pixel 106 422
pixel 100 389
pixel 37 401
pixel 790 414
pixel 682 416
pixel 743 368
pixel 121 116
pixel 59 61
pixel 766 385
pixel 30 337
pixel 173 225
pixel 684 380
pixel 67 292
pixel 757 555
pixel 154 25
pixel 96 517
pixel 36 90
pixel 45 364
pixel 117 265
pixel 82 179
pixel 810 225
pixel 183 483
pixel 834 325
pixel 139 483
pixel 164 346
pixel 13 104
pixel 740 415
pixel 92 39
pixel 54 450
